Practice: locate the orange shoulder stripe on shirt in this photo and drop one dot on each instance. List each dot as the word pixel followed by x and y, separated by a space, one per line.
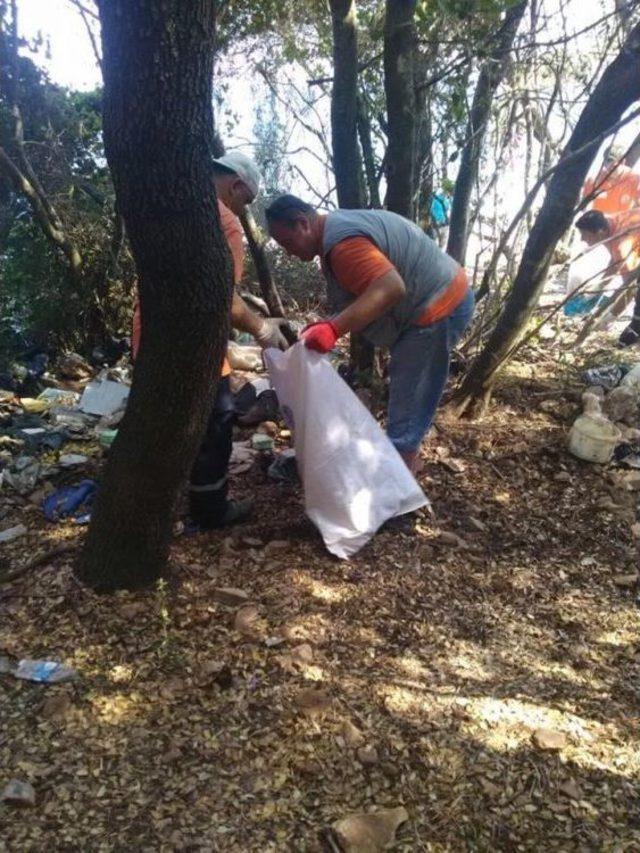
pixel 356 262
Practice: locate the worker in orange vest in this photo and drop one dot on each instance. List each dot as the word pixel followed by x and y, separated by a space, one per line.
pixel 617 187
pixel 620 234
pixel 237 183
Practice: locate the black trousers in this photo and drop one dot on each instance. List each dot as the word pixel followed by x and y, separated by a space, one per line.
pixel 209 482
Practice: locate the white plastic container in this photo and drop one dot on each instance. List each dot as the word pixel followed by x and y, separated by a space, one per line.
pixel 593 438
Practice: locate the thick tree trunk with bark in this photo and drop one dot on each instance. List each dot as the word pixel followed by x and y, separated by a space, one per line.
pixel 491 75
pixel 158 130
pixel 399 47
pixel 347 163
pixel 618 88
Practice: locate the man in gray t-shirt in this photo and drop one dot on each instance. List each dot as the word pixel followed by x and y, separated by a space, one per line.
pixel 389 281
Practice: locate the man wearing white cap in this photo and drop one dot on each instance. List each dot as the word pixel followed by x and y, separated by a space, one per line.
pixel 237 183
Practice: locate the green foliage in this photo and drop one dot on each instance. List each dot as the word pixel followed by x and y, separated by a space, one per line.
pixel 63 141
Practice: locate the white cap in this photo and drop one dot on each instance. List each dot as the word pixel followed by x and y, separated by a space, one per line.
pixel 243 167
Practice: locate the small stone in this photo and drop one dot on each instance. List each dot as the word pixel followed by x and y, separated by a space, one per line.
pixel 313 703
pixel 230 596
pixel 274 642
pixel 632 481
pixel 479 525
pixel 626 581
pixel 132 610
pixel 550 740
pixel 492 790
pixel 369 833
pixel 302 654
pixel 571 790
pixel 244 622
pixel 252 542
pixel 275 546
pixel 562 477
pixel 19 793
pixel 367 755
pixel 445 537
pixel 55 706
pixel 352 735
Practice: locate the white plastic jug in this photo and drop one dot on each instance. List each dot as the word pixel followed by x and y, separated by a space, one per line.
pixel 593 438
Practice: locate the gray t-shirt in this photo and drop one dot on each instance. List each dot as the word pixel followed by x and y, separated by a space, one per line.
pixel 425 269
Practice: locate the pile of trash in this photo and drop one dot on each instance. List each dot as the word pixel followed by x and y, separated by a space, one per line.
pixel 609 427
pixel 43 437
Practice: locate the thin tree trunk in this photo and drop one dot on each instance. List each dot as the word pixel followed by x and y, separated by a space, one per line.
pixel 491 75
pixel 158 131
pixel 618 88
pixel 257 243
pixel 347 163
pixel 366 144
pixel 399 48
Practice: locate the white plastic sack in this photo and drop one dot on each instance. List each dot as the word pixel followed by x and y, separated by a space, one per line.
pixel 354 479
pixel 593 268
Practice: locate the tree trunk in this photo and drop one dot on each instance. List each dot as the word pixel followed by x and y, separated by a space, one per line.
pixel 158 131
pixel 347 163
pixel 364 134
pixel 618 88
pixel 257 242
pixel 491 75
pixel 633 154
pixel 399 47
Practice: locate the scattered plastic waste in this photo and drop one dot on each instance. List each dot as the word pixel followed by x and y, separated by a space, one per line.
pixel 104 397
pixel 107 437
pixel 33 405
pixel 12 533
pixel 44 671
pixel 59 397
pixel 284 468
pixel 72 419
pixel 593 438
pixel 632 378
pixel 260 441
pixel 70 460
pixel 242 357
pixel 71 502
pixel 23 474
pixel 265 408
pixel 607 376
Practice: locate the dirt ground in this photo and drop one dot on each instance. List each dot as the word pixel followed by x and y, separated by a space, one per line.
pixel 418 674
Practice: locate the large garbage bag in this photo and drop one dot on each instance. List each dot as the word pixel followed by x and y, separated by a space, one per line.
pixel 354 479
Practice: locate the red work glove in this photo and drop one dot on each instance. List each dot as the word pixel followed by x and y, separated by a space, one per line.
pixel 320 337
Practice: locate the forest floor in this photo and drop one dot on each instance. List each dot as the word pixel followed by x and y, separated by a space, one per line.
pixel 418 674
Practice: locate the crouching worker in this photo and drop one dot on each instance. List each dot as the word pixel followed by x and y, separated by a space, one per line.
pixel 237 182
pixel 387 280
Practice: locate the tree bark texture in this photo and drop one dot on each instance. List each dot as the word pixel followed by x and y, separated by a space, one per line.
pixel 399 48
pixel 491 75
pixel 618 88
pixel 158 131
pixel 347 163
